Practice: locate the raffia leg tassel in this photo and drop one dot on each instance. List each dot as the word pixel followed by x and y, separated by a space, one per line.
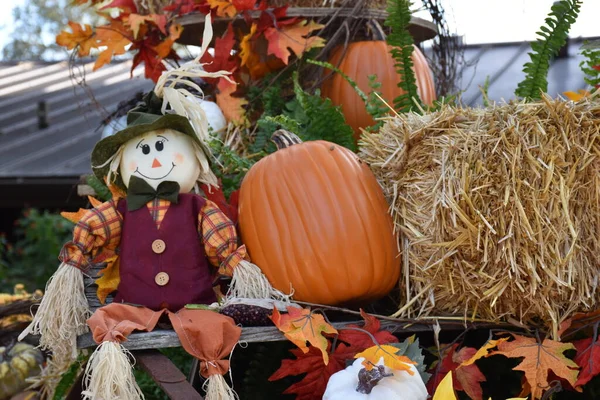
pixel 109 375
pixel 248 281
pixel 216 388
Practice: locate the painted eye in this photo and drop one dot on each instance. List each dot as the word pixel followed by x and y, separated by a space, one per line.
pixel 145 149
pixel 159 145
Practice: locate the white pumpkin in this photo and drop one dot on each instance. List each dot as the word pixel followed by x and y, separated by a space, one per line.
pixel 399 386
pixel 214 115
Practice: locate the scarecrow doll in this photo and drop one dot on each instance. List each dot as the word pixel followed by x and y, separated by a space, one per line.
pixel 167 244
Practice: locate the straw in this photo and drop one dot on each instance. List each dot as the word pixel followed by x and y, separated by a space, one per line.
pixel 497 210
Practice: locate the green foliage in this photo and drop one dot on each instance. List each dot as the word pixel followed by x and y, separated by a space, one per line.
pixel 68 378
pixel 33 258
pixel 410 348
pixel 102 191
pixel 553 35
pixel 231 167
pixel 591 65
pixel 399 16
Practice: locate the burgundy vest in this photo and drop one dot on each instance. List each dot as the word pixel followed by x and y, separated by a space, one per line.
pixel 183 258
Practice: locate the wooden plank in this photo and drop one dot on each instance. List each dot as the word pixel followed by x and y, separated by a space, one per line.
pixel 168 338
pixel 166 375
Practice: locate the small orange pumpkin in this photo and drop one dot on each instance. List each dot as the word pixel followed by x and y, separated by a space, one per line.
pixel 363 59
pixel 313 217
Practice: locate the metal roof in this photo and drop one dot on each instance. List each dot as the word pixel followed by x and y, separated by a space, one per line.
pixel 63 148
pixel 74 117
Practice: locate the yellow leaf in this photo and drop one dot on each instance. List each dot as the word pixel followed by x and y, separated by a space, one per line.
pixel 117 193
pixel 581 93
pixel 109 281
pixel 224 8
pixel 115 37
pixel 246 49
pixel 373 354
pixel 136 20
pixel 81 36
pixel 445 390
pixel 293 38
pixel 483 351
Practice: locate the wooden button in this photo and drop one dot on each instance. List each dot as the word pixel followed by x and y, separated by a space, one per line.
pixel 158 246
pixel 161 279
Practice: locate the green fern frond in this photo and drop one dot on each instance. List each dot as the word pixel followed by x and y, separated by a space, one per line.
pixel 398 20
pixel 591 65
pixel 553 35
pixel 102 191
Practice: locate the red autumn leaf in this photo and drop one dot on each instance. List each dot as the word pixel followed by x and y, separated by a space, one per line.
pixel 579 323
pixel 301 325
pixel 588 358
pixel 243 5
pixel 153 65
pixel 293 39
pixel 312 386
pixel 182 7
pixel 128 6
pixel 362 340
pixel 596 67
pixel 464 378
pixel 538 359
pixel 216 195
pixel 223 59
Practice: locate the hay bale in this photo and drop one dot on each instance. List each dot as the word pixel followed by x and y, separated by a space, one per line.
pixel 497 209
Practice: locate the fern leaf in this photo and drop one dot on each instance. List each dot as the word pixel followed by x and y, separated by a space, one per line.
pixel 553 35
pixel 591 65
pixel 399 16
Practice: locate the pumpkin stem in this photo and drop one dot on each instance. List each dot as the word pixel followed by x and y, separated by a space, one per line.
pixel 367 380
pixel 284 139
pixel 376 30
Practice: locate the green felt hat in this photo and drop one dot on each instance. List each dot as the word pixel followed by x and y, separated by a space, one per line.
pixel 141 119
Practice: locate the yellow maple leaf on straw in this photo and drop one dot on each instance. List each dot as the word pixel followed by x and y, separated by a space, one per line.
pixel 115 38
pixel 224 8
pixel 373 354
pixel 445 390
pixel 293 38
pixel 581 93
pixel 82 36
pixel 483 351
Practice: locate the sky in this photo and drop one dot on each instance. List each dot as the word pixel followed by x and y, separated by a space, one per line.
pixel 479 21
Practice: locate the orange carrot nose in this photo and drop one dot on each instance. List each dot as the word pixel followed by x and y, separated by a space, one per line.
pixel 156 163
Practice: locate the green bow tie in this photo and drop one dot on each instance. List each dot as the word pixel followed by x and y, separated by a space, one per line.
pixel 140 192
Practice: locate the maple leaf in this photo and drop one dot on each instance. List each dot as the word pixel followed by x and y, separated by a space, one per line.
pixel 466 379
pixel 538 360
pixel 588 358
pixel 224 8
pixel 115 37
pixel 445 390
pixel 373 354
pixel 232 107
pixel 127 6
pixel 313 384
pixel 483 351
pixel 165 47
pixel 360 339
pixel 182 7
pixel 217 196
pixel 301 325
pixel 223 59
pixel 82 37
pixel 136 20
pixel 244 5
pixel 293 38
pixel 580 322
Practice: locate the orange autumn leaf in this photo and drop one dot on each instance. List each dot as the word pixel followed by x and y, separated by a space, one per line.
pixel 576 96
pixel 164 48
pixel 373 354
pixel 538 360
pixel 249 57
pixel 115 37
pixel 82 38
pixel 74 217
pixel 137 20
pixel 224 8
pixel 483 351
pixel 294 38
pixel 116 192
pixel 232 107
pixel 301 325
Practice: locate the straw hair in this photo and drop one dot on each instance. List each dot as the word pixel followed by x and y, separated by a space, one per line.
pixel 109 375
pixel 216 388
pixel 249 282
pixel 497 210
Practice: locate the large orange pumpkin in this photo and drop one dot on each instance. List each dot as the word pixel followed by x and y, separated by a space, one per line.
pixel 313 217
pixel 363 59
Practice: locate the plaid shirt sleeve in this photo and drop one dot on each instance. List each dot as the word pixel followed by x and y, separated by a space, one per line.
pixel 99 227
pixel 220 239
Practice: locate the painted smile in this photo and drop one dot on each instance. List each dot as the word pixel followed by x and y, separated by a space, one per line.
pixel 155 179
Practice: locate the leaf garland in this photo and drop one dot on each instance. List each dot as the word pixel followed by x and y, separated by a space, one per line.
pixel 553 35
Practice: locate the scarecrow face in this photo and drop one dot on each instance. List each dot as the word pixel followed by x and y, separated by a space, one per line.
pixel 161 155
